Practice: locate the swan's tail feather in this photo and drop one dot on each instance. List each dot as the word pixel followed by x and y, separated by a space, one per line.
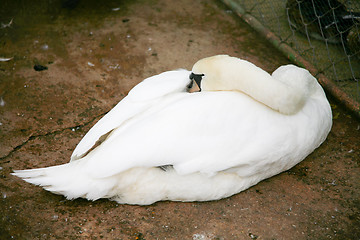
pixel 68 180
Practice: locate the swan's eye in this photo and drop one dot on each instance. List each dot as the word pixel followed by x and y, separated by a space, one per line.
pixel 190 85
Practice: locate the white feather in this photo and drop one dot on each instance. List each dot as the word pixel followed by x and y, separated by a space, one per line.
pixel 217 143
pixel 139 99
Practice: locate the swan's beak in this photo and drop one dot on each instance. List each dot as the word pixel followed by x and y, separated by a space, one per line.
pixel 194 86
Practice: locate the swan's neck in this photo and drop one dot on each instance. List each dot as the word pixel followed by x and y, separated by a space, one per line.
pixel 255 82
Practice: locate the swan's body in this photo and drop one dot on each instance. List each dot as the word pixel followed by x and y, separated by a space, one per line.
pixel 163 143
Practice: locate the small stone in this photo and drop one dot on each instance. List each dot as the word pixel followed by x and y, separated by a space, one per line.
pixel 39 67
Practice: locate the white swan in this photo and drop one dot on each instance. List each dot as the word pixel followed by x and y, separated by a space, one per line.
pixel 163 143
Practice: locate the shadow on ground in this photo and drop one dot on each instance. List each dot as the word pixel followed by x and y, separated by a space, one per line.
pixel 94 54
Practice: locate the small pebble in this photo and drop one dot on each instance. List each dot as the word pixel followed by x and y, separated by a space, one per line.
pixel 39 67
pixel 2 102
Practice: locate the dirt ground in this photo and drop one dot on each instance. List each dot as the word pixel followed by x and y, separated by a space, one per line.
pixel 94 54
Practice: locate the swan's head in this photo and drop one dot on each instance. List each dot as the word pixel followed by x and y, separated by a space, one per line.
pixel 285 91
pixel 207 72
pixel 225 73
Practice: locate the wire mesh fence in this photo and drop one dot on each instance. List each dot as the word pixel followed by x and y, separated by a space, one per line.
pixel 324 32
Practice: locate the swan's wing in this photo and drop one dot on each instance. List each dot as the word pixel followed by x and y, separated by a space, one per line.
pixel 139 99
pixel 160 85
pixel 206 132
